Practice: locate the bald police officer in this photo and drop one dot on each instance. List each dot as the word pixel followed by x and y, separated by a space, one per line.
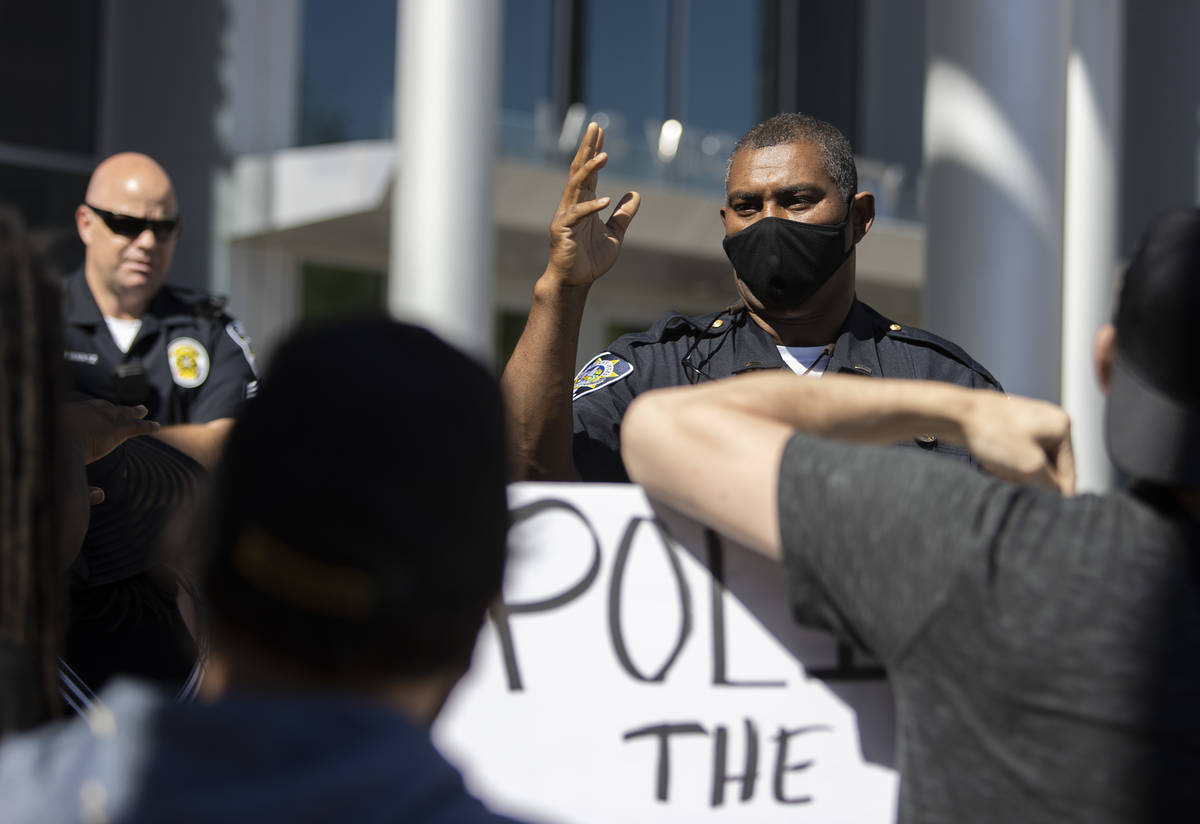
pixel 130 339
pixel 793 216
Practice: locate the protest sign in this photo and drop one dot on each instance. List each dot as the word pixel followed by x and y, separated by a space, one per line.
pixel 641 668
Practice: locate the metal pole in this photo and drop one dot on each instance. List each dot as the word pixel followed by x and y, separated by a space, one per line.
pixel 447 70
pixel 1091 227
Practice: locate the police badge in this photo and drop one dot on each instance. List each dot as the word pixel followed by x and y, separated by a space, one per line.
pixel 602 370
pixel 189 363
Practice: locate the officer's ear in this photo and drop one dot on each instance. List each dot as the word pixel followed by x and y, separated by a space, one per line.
pixel 862 214
pixel 84 222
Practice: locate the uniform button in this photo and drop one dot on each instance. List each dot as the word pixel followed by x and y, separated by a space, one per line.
pixel 862 369
pixel 926 438
pixel 718 323
pixel 895 327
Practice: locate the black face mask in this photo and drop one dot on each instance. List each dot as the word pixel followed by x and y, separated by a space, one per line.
pixel 783 262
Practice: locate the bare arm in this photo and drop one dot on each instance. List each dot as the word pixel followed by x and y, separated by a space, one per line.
pixel 671 439
pixel 537 380
pixel 201 441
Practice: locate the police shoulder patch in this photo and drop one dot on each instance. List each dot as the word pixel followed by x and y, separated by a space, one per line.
pixel 189 362
pixel 602 370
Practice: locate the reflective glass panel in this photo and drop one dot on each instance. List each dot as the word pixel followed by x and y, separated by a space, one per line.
pixel 348 68
pixel 624 61
pixel 722 59
pixel 46 201
pixel 48 58
pixel 527 54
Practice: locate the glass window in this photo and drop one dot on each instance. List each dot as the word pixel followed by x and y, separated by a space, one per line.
pixel 893 82
pixel 348 71
pixel 48 57
pixel 722 81
pixel 526 93
pixel 528 37
pixel 625 59
pixel 47 200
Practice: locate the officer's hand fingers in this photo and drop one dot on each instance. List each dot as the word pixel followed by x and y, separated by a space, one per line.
pixel 589 144
pixel 622 216
pixel 571 215
pixel 582 181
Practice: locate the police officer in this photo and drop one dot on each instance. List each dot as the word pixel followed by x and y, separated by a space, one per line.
pixel 792 218
pixel 130 339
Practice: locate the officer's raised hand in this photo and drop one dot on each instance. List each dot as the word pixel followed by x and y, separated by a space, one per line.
pixel 582 246
pixel 537 380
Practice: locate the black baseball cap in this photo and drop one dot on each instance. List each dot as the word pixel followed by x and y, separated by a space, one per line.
pixel 1152 424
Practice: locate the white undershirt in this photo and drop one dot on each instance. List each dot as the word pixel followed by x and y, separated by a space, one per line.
pixel 804 360
pixel 123 330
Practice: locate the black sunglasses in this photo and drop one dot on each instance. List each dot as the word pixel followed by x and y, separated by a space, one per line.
pixel 132 227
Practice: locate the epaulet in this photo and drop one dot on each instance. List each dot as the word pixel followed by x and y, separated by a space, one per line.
pixel 197 302
pixel 673 324
pixel 922 337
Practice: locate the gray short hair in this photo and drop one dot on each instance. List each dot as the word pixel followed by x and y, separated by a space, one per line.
pixel 794 127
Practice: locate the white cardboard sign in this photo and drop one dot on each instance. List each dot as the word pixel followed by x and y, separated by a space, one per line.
pixel 643 669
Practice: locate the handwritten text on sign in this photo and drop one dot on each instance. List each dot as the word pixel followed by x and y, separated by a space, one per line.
pixel 623 674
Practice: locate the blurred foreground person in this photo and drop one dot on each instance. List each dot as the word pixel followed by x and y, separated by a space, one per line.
pixel 35 533
pixel 347 575
pixel 1044 650
pixel 44 494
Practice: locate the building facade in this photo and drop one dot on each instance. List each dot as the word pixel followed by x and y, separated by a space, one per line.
pixel 275 118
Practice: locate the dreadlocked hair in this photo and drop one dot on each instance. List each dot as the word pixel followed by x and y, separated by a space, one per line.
pixel 31 618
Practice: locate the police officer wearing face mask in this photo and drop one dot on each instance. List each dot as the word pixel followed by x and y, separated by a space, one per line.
pixel 792 220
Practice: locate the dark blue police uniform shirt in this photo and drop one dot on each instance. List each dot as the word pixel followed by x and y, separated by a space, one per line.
pixel 729 342
pixel 190 362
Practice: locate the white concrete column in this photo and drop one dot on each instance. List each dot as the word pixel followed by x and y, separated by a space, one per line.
pixel 1091 229
pixel 447 80
pixel 994 144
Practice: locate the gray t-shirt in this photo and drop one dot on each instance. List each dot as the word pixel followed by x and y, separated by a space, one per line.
pixel 1044 652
